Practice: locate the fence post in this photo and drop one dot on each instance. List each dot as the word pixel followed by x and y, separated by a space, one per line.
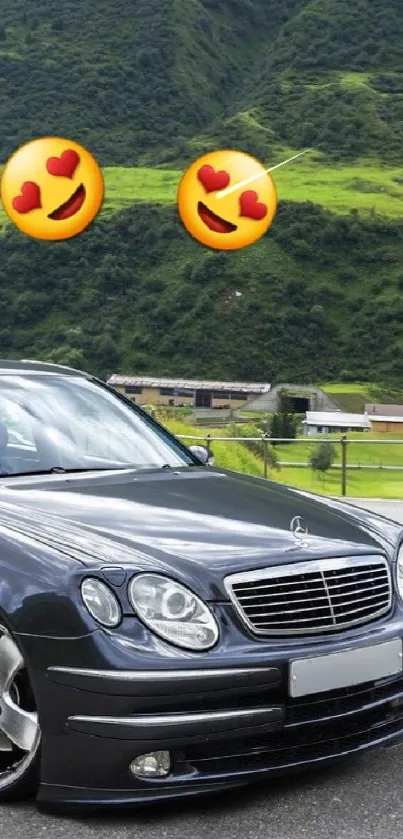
pixel 264 443
pixel 344 444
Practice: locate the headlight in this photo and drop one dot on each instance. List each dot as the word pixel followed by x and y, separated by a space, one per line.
pixel 173 612
pixel 100 602
pixel 399 571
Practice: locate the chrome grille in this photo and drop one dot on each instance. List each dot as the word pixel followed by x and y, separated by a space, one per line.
pixel 312 597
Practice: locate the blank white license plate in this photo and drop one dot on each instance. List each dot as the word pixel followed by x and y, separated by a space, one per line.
pixel 341 670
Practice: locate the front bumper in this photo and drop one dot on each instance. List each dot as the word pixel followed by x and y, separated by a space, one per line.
pixel 226 722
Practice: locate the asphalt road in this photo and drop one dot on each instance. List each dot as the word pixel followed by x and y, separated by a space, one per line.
pixel 359 799
pixel 390 509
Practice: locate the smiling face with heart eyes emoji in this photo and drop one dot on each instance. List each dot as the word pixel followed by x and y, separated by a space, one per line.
pixel 52 188
pixel 218 208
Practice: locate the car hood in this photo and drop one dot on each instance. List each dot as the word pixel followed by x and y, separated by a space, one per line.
pixel 196 524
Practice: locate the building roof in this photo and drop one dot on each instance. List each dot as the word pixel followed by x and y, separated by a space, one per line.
pixel 384 410
pixel 191 384
pixel 294 389
pixel 336 419
pixel 386 418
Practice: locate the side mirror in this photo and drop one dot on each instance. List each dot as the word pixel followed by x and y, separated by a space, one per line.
pixel 203 454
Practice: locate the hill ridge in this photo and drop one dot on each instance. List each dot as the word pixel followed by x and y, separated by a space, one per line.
pixel 155 83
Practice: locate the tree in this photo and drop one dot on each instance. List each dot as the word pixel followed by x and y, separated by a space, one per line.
pixel 69 356
pixel 283 423
pixel 322 458
pixel 107 354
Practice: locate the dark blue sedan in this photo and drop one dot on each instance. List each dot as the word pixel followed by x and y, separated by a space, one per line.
pixel 169 628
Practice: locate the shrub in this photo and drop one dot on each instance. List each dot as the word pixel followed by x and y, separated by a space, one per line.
pixel 322 458
pixel 255 446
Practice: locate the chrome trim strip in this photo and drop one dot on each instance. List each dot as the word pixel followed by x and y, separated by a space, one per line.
pixel 307 566
pixel 326 587
pixel 312 565
pixel 352 603
pixel 159 675
pixel 167 719
pixel 316 566
pixel 313 597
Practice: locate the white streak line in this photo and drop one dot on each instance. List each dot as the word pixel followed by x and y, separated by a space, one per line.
pixel 230 189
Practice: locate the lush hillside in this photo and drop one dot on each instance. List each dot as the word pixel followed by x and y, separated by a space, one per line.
pixel 337 68
pixel 147 85
pixel 137 79
pixel 353 396
pixel 318 298
pixel 125 76
pixel 331 77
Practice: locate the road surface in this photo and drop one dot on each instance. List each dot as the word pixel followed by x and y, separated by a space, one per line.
pixel 390 509
pixel 361 799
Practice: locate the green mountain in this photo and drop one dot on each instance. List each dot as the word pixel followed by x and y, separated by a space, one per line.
pixel 128 75
pixel 147 85
pixel 137 75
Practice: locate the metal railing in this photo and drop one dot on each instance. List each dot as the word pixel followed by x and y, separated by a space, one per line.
pixel 344 442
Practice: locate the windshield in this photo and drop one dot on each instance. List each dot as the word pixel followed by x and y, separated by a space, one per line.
pixel 66 422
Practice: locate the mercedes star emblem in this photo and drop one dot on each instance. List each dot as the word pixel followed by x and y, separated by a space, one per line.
pixel 299 528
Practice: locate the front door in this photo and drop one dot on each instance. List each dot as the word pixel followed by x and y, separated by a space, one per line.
pixel 203 398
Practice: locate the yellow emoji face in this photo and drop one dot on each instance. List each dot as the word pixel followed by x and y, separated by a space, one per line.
pixel 52 188
pixel 227 200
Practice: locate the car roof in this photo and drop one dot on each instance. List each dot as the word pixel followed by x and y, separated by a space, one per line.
pixel 27 365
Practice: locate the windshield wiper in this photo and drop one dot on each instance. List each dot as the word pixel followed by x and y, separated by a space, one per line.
pixel 61 470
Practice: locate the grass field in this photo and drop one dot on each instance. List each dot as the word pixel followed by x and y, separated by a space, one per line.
pixel 366 188
pixel 365 483
pixel 348 388
pixel 353 396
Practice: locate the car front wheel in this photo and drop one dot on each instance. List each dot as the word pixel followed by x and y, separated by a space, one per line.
pixel 20 734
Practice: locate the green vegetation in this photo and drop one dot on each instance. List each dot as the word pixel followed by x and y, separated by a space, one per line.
pixel 361 187
pixel 353 396
pixel 132 79
pixel 148 85
pixel 153 81
pixel 349 396
pixel 284 423
pixel 322 458
pixel 365 452
pixel 254 442
pixel 232 455
pixel 365 483
pixel 348 388
pixel 135 292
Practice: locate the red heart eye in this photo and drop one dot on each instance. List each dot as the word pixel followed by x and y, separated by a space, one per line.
pixel 29 199
pixel 251 207
pixel 212 180
pixel 65 165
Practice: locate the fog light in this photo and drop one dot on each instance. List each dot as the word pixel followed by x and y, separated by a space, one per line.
pixel 151 765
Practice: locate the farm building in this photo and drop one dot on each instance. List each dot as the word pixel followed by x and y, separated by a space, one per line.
pixel 301 398
pixel 190 392
pixel 330 422
pixel 325 422
pixel 384 410
pixel 386 423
